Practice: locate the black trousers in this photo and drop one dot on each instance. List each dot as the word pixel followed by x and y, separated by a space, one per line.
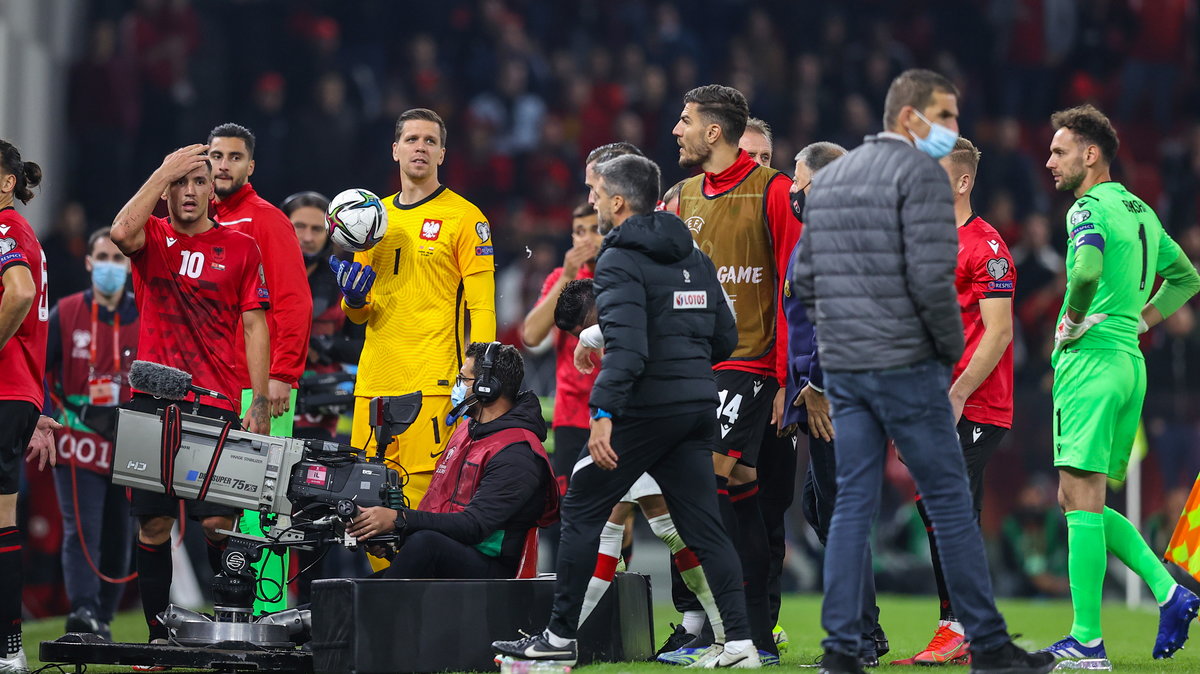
pixel 677 452
pixel 776 490
pixel 817 500
pixel 569 442
pixel 429 554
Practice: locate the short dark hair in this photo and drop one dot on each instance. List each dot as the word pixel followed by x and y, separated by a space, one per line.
pixel 635 178
pixel 915 87
pixel 423 114
pixel 817 156
pixel 965 155
pixel 101 233
pixel 612 151
pixel 583 210
pixel 575 302
pixel 1091 125
pixel 761 126
pixel 231 130
pixel 307 199
pixel 27 173
pixel 508 367
pixel 721 105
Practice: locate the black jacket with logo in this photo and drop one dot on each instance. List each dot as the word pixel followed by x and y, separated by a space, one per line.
pixel 664 318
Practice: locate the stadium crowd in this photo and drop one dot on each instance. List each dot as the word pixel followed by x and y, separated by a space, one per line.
pixel 526 99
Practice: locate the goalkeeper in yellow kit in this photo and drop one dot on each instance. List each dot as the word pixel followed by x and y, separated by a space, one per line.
pixel 425 291
pixel 1117 247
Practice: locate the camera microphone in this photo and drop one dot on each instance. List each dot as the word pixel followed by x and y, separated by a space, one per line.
pixel 165 382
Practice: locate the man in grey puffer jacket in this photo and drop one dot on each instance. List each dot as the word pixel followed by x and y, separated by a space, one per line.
pixel 875 267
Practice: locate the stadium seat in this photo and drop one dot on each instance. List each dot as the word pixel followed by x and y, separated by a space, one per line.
pixel 527 567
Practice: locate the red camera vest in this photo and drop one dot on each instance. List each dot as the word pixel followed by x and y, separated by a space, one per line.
pixel 461 467
pixel 76 442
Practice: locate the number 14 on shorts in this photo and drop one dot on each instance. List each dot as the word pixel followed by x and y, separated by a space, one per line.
pixel 731 410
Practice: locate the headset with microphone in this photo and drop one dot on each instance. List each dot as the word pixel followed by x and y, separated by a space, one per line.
pixel 486 388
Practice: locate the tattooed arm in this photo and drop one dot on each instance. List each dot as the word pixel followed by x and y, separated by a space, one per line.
pixel 258 360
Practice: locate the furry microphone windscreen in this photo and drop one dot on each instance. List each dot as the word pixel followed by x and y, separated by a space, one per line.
pixel 159 381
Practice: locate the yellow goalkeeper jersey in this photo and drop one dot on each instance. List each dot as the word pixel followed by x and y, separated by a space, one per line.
pixel 416 313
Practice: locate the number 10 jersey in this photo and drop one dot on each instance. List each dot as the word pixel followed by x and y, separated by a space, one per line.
pixel 191 292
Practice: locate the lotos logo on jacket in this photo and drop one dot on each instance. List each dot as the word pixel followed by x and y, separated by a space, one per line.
pixel 691 299
pixel 430 230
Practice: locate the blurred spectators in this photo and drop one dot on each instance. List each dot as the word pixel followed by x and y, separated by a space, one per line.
pixel 323 143
pixel 1033 546
pixel 66 248
pixel 527 87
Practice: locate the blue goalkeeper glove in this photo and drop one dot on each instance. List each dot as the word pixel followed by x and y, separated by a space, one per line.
pixel 353 279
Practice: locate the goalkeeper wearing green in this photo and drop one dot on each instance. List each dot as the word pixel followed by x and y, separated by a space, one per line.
pixel 1117 246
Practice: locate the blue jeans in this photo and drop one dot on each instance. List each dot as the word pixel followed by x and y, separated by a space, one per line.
pixel 105 524
pixel 910 405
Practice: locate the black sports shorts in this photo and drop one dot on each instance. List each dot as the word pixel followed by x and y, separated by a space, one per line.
pixel 979 442
pixel 743 410
pixel 18 419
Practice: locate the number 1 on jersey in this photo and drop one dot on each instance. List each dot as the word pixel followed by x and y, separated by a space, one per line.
pixel 1142 238
pixel 396 264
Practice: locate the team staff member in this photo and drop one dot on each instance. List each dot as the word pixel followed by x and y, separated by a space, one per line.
pixel 333 341
pixel 981 395
pixel 23 333
pixel 889 377
pixel 195 283
pixel 750 246
pixel 434 292
pixel 808 411
pixel 1117 248
pixel 492 486
pixel 758 142
pixel 93 340
pixel 576 314
pixel 238 207
pixel 651 406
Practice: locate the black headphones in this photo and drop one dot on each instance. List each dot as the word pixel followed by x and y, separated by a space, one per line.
pixel 487 387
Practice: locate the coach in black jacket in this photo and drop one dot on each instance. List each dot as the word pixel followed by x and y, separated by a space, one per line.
pixel 665 322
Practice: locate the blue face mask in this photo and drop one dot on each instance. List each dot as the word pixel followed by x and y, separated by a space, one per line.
pixel 458 394
pixel 109 277
pixel 938 143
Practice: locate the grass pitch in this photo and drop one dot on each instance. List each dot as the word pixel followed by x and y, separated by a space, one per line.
pixel 909 622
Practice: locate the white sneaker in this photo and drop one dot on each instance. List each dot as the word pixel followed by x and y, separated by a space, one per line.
pixel 707 658
pixel 746 657
pixel 15 662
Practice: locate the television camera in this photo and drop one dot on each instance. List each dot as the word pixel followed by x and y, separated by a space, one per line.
pixel 311 489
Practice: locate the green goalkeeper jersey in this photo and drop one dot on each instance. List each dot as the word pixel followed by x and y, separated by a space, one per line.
pixel 1135 248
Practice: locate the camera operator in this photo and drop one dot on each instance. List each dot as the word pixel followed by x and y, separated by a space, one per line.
pixel 93 337
pixel 491 487
pixel 334 341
